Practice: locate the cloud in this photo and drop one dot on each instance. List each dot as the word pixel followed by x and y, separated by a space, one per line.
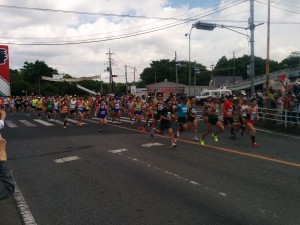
pixel 207 47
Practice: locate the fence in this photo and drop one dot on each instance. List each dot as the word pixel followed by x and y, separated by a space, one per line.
pixel 281 117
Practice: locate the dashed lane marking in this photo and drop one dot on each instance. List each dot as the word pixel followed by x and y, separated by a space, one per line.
pixel 118 150
pixel 67 159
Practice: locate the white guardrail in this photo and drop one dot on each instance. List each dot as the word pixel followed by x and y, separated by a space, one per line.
pixel 280 117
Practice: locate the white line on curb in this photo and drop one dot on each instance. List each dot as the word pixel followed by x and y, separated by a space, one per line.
pixel 26 215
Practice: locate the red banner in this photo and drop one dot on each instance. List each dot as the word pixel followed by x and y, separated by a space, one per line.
pixel 4 71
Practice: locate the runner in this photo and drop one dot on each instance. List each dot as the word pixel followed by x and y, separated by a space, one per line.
pixel 149 112
pixel 182 111
pixel 117 110
pixel 80 110
pixel 228 109
pixel 130 109
pixel 49 107
pixel 166 117
pixel 102 114
pixel 242 107
pixel 56 104
pixel 73 107
pixel 213 120
pixel 193 117
pixel 205 109
pixel 252 116
pixel 157 109
pixel 39 107
pixel 64 112
pixel 25 103
pixel 138 111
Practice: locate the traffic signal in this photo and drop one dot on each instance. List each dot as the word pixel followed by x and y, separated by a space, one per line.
pixel 114 75
pixel 248 70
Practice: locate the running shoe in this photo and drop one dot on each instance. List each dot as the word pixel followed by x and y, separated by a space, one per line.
pixel 143 130
pixel 64 126
pixel 173 145
pixel 175 140
pixel 215 137
pixel 255 145
pixel 195 139
pixel 178 133
pixel 201 141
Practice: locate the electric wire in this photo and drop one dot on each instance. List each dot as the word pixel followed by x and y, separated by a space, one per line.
pixel 130 34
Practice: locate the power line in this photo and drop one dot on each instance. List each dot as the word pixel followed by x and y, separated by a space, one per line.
pixel 134 33
pixel 277 7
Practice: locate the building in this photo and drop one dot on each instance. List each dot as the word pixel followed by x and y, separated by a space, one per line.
pixel 166 88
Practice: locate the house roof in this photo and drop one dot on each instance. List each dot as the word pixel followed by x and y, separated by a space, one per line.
pixel 165 84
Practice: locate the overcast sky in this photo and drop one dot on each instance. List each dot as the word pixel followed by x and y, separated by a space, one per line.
pixel 138 31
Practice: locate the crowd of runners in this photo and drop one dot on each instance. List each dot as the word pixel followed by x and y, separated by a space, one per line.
pixel 173 115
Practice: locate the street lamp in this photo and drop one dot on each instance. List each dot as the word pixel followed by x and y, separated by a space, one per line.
pixel 200 26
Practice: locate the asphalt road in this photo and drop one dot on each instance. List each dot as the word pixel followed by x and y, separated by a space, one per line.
pixel 122 176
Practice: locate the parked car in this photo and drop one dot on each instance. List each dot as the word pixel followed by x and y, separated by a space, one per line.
pixel 209 93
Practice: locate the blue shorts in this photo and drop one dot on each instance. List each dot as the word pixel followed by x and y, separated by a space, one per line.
pixel 101 116
pixel 81 111
pixel 138 112
pixel 117 110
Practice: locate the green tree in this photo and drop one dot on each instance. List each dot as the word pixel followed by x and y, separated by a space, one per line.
pixel 292 61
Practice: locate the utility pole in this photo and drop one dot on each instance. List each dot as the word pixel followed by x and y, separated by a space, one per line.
pixel 110 72
pixel 252 28
pixel 176 72
pixel 134 70
pixel 233 80
pixel 195 72
pixel 126 79
pixel 212 74
pixel 268 54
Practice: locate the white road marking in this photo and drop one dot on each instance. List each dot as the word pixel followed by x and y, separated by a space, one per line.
pixel 10 124
pixel 27 123
pixel 58 121
pixel 67 159
pixel 178 177
pixel 152 144
pixel 118 150
pixel 223 194
pixel 74 121
pixel 25 213
pixel 44 122
pixel 281 134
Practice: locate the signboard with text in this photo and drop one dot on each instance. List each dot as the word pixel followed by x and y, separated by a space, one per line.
pixel 4 71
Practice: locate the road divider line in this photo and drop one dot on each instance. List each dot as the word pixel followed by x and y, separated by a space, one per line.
pixel 220 148
pixel 44 122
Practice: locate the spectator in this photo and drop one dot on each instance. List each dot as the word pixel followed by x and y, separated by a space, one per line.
pixel 6 180
pixel 292 110
pixel 279 107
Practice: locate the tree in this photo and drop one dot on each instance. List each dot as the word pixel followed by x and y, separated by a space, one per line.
pixel 292 61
